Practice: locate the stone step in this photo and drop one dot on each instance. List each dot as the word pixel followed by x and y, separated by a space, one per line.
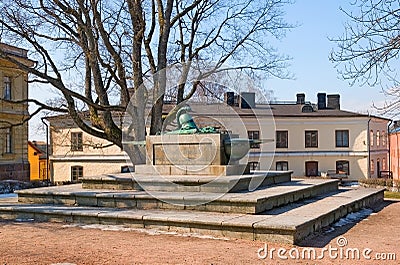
pixel 186 183
pixel 289 224
pixel 253 202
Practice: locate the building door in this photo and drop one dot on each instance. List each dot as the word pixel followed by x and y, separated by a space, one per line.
pixel 378 168
pixel 311 168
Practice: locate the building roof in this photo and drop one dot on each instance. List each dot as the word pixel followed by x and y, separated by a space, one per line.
pixel 284 109
pixel 295 110
pixel 394 130
pixel 39 147
pixel 17 52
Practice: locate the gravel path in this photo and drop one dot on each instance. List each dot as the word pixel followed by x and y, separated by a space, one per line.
pixel 377 236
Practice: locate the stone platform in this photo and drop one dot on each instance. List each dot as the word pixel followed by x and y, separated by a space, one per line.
pixel 288 224
pixel 279 210
pixel 187 183
pixel 254 202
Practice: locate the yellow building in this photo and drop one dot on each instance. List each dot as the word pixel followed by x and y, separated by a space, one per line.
pixel 13 126
pixel 37 161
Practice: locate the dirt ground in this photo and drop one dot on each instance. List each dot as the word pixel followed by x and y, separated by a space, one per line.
pixel 376 237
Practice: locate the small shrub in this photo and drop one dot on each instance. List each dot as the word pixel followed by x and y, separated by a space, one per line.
pixel 396 183
pixel 377 182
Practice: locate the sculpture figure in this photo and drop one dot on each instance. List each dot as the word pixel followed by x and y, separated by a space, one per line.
pixel 186 124
pixel 235 148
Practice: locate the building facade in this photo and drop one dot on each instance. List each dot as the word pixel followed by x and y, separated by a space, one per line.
pixel 75 154
pixel 13 113
pixel 394 139
pixel 331 141
pixel 38 161
pixel 309 139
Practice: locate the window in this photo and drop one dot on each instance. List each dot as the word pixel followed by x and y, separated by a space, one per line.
pixel 7 88
pixel 371 138
pixel 342 138
pixel 378 138
pixel 383 163
pixel 312 168
pixel 254 135
pixel 76 173
pixel 383 136
pixel 8 138
pixel 127 169
pixel 311 139
pixel 76 141
pixel 342 167
pixel 282 165
pixel 372 167
pixel 281 139
pixel 253 165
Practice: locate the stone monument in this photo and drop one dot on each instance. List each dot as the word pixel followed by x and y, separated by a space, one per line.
pixel 190 150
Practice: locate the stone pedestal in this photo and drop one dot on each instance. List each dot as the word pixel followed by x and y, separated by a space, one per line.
pixel 192 154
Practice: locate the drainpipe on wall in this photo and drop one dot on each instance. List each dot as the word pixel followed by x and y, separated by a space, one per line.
pixel 47 148
pixel 369 149
pixel 388 142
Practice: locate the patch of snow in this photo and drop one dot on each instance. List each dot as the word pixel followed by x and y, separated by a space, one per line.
pixel 352 218
pixel 352 184
pixel 24 220
pixel 8 195
pixel 152 232
pixel 330 230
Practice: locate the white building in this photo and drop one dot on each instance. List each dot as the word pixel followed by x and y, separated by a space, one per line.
pixel 310 139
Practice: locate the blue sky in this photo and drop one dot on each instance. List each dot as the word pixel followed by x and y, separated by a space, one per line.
pixel 309 46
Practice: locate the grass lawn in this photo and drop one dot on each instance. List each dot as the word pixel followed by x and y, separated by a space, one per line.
pixel 392 195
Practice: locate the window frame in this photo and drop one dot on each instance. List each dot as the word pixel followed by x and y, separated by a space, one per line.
pixel 76 141
pixel 251 135
pixel 253 165
pixel 308 135
pixel 7 88
pixel 383 164
pixel 383 136
pixel 372 167
pixel 342 162
pixel 378 138
pixel 8 147
pixel 278 136
pixel 340 133
pixel 371 138
pixel 76 173
pixel 279 165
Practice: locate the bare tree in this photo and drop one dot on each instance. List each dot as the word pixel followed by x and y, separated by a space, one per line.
pixel 113 46
pixel 371 41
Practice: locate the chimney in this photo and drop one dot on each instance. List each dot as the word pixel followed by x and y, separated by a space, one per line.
pixel 301 98
pixel 247 100
pixel 321 100
pixel 230 98
pixel 334 101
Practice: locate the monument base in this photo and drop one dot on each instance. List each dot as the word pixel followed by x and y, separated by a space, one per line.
pixel 209 170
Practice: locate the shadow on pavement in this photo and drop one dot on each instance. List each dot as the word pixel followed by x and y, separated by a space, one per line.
pixel 321 239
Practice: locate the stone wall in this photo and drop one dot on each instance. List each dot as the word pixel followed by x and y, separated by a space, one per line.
pixel 16 171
